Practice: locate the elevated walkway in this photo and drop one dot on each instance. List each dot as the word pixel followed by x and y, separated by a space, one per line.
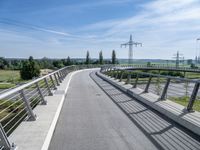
pixel 88 113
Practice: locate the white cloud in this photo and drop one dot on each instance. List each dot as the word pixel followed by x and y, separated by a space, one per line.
pixel 162 25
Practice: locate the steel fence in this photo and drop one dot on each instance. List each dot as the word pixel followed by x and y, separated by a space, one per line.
pixel 166 87
pixel 17 104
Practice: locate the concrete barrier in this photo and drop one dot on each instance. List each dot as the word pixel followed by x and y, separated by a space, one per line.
pixel 168 108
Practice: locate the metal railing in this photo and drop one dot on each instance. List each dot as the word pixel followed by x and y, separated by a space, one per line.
pixel 151 67
pixel 166 87
pixel 16 105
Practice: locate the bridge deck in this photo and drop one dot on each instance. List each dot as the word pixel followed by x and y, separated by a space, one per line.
pixel 89 120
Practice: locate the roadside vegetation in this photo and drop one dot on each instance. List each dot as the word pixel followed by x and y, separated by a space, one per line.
pixel 184 102
pixel 14 72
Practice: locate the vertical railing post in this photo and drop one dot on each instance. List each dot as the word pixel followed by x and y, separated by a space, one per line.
pixel 59 78
pixel 136 81
pixel 56 79
pixel 32 116
pixel 61 75
pixel 116 74
pixel 122 74
pixel 4 142
pixel 48 88
pixel 164 92
pixel 54 85
pixel 41 94
pixel 148 84
pixel 112 73
pixel 128 78
pixel 193 97
pixel 65 72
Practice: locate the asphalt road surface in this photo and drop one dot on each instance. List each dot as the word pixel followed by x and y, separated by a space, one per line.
pixel 94 118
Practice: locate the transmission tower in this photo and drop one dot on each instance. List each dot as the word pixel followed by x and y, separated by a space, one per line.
pixel 197 57
pixel 130 44
pixel 179 58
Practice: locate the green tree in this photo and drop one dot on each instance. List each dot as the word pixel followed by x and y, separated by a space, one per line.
pixel 193 66
pixel 100 57
pixel 87 58
pixel 58 63
pixel 114 60
pixel 45 63
pixel 3 63
pixel 30 69
pixel 189 61
pixel 69 62
pixel 148 64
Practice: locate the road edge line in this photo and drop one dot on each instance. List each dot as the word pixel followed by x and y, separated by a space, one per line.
pixel 49 136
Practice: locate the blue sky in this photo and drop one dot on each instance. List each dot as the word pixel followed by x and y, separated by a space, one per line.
pixel 61 28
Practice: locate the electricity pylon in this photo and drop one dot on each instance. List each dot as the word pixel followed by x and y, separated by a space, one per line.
pixel 197 57
pixel 130 44
pixel 179 58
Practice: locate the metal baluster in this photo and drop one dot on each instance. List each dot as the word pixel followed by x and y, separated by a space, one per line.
pixel 47 85
pixel 54 86
pixel 136 81
pixel 193 97
pixel 121 76
pixel 61 75
pixel 32 116
pixel 41 94
pixel 56 79
pixel 148 84
pixel 128 79
pixel 4 142
pixel 59 78
pixel 164 92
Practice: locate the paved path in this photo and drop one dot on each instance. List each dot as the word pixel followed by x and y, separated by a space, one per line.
pixel 89 120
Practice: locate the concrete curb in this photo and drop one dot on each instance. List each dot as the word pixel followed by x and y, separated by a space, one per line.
pixel 172 110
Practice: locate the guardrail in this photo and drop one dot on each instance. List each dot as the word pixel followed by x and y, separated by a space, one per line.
pixel 151 67
pixel 166 87
pixel 16 105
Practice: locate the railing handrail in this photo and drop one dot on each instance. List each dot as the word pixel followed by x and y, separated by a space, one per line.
pixel 25 98
pixel 116 71
pixel 19 88
pixel 161 67
pixel 165 76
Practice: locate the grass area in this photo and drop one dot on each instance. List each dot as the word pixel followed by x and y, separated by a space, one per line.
pixel 184 101
pixel 192 75
pixel 6 85
pixel 11 76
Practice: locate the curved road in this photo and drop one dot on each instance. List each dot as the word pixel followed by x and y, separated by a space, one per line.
pixel 96 119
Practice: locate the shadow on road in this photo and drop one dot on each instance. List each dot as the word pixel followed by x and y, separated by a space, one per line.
pixel 163 132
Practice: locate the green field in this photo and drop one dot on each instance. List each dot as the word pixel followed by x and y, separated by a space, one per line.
pixel 9 78
pixel 185 100
pixel 192 75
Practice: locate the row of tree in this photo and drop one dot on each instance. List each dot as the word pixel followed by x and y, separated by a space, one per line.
pixel 30 68
pixel 44 63
pixel 101 59
pixel 47 63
